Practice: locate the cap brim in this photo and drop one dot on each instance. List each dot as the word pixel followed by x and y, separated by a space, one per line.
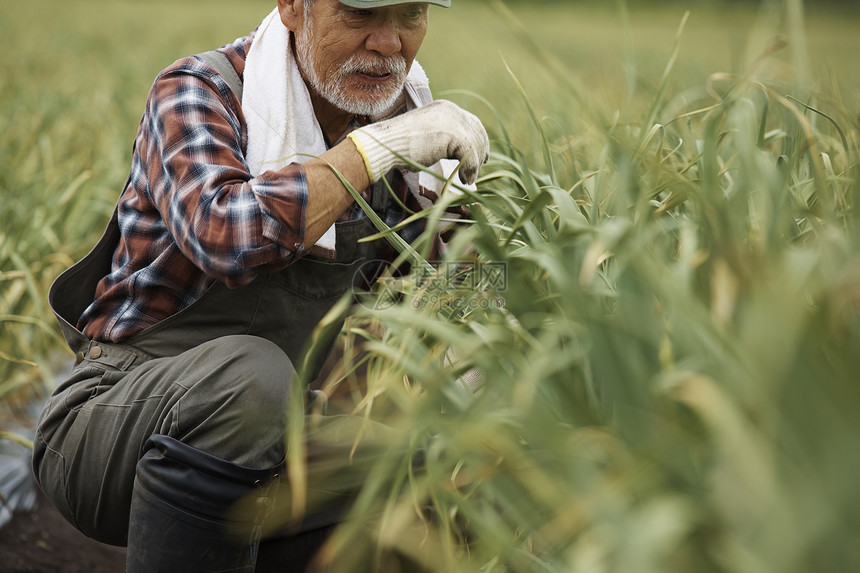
pixel 380 3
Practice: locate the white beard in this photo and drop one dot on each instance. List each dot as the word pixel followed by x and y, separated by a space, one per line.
pixel 375 101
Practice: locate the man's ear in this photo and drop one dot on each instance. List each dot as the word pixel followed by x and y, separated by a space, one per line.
pixel 292 13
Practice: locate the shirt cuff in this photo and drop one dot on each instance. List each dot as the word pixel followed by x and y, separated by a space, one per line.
pixel 283 200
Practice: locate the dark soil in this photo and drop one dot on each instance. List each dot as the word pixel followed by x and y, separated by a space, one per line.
pixel 42 541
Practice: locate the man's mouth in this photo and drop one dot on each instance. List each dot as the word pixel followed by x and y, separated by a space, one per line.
pixel 375 73
pixel 374 78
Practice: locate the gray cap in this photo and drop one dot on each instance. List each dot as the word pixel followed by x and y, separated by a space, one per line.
pixel 379 3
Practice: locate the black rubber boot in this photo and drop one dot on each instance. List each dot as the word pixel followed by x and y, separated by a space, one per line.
pixel 180 511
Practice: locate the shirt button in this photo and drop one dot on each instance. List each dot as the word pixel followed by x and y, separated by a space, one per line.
pixel 95 352
pixel 79 357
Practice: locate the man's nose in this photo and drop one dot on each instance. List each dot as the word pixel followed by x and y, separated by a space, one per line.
pixel 384 39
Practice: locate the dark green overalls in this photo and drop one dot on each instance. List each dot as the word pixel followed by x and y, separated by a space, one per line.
pixel 187 379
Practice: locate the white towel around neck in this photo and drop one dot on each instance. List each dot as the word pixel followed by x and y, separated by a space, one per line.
pixel 282 127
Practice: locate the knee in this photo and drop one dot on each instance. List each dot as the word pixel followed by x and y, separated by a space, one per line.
pixel 237 409
pixel 266 373
pixel 255 371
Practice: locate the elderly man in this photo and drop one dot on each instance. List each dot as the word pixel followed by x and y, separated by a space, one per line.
pixel 232 237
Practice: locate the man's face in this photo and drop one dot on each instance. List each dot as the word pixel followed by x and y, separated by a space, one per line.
pixel 358 59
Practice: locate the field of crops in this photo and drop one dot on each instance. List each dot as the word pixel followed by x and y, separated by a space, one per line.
pixel 642 352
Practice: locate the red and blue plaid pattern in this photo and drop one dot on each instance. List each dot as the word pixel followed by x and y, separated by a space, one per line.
pixel 191 214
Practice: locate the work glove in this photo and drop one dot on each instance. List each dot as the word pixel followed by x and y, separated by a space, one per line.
pixel 439 130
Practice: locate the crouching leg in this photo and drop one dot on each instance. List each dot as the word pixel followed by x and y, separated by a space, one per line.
pixel 182 511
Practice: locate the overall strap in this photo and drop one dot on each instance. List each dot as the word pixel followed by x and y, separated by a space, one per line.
pixel 223 66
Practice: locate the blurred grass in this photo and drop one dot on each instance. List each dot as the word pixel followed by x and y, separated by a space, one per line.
pixel 671 384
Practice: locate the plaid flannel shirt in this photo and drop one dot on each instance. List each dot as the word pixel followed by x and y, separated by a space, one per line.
pixel 191 214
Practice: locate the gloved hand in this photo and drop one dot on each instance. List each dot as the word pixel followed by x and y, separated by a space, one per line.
pixel 439 130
